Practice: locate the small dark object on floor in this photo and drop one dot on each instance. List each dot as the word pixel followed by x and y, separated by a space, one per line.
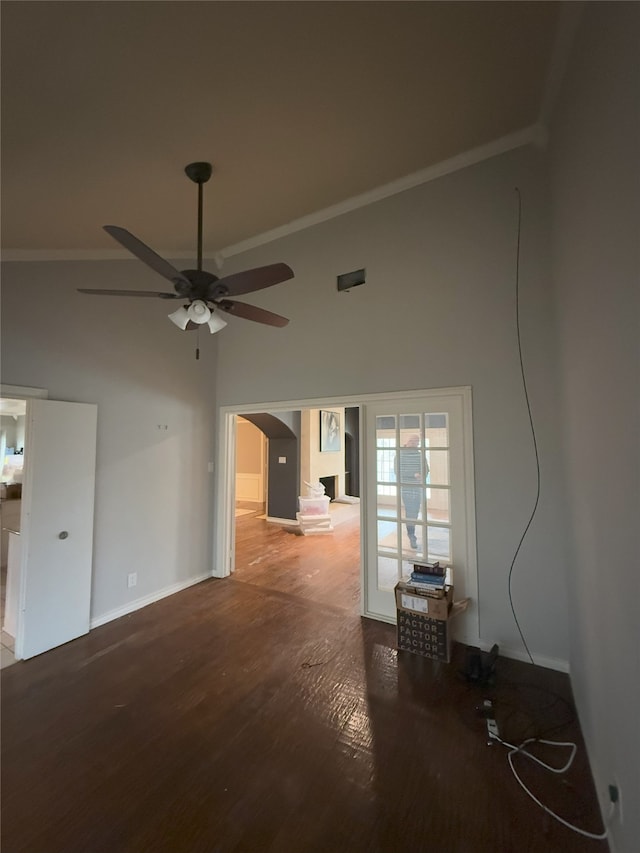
pixel 481 666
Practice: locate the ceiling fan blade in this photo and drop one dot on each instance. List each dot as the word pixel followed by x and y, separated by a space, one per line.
pixel 250 280
pixel 146 255
pixel 251 312
pixel 154 293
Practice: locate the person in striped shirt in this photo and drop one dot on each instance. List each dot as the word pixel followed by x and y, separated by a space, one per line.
pixel 411 471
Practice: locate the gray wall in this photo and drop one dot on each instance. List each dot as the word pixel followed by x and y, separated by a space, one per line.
pixel 283 431
pixel 153 489
pixel 438 309
pixel 352 458
pixel 285 479
pixel 595 144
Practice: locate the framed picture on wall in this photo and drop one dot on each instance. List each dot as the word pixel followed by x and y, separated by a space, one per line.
pixel 329 432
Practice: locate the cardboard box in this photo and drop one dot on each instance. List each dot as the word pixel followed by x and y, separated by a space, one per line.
pixel 421 635
pixel 418 601
pixel 424 623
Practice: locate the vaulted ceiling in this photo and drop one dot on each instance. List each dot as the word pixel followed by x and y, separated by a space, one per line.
pixel 299 106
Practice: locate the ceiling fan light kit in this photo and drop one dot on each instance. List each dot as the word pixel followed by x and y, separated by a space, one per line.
pixel 206 294
pixel 199 314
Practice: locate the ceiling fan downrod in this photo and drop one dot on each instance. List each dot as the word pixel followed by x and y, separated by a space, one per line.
pixel 199 173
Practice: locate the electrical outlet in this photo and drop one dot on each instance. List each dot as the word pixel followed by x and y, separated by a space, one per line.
pixel 132 579
pixel 493 733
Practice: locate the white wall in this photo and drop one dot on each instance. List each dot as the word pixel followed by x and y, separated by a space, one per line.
pixel 595 145
pixel 438 309
pixel 250 462
pixel 153 489
pixel 315 464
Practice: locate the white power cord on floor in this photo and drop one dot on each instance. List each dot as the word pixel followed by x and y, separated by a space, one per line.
pixel 515 750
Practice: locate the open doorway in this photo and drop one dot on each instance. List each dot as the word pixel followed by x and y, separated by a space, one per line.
pixel 272 548
pixel 251 469
pixel 12 455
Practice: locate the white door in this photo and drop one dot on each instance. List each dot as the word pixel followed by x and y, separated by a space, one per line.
pixel 57 525
pixel 419 497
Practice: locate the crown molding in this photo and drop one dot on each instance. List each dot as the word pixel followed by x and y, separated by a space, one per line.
pixel 528 136
pixel 533 135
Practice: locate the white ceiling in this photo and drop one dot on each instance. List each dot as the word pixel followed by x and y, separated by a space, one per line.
pixel 299 106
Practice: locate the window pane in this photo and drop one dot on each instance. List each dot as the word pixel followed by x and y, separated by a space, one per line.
pixel 412 552
pixel 412 465
pixel 412 502
pixel 439 543
pixel 407 563
pixel 387 536
pixel 438 505
pixel 385 472
pixel 388 574
pixel 409 427
pixel 438 467
pixel 409 422
pixel 386 431
pixel 436 430
pixel 387 505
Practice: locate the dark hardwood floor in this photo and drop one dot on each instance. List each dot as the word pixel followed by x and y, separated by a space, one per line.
pixel 261 713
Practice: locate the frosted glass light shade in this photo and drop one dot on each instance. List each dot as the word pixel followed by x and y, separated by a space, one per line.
pixel 180 317
pixel 198 312
pixel 216 322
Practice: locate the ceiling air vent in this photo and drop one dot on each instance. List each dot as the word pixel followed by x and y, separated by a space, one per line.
pixel 351 279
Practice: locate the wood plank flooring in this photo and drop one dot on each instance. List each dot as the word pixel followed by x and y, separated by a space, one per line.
pixel 261 713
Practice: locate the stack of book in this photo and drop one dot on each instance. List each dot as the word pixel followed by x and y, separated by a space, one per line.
pixel 429 578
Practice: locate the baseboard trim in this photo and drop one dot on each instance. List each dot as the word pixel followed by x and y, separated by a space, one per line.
pixel 505 652
pixel 518 654
pixel 139 603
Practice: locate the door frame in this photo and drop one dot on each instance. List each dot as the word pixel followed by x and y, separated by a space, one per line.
pixel 224 541
pixel 21 392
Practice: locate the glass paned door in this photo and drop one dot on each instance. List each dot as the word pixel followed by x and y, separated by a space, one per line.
pixel 416 494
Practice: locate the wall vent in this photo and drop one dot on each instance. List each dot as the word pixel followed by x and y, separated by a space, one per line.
pixel 351 279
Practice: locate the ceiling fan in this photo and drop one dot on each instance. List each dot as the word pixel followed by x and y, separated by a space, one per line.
pixel 206 294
